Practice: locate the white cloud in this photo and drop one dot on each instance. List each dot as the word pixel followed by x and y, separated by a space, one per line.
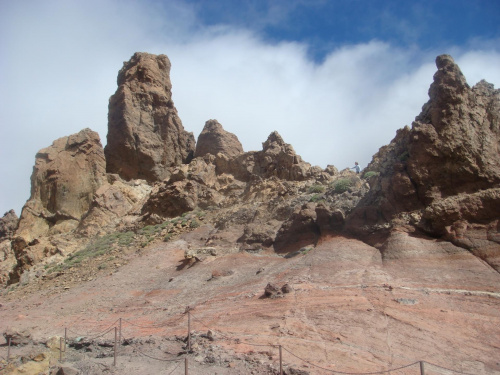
pixel 63 58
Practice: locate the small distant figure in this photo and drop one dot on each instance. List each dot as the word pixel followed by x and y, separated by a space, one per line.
pixel 356 167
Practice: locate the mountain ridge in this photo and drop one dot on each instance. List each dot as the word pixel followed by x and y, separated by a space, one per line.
pixel 421 220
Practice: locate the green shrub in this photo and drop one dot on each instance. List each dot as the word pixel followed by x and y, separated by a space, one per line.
pixel 167 237
pixel 342 185
pixel 316 189
pixel 371 174
pixel 194 224
pixel 201 214
pixel 125 239
pixel 316 198
pixel 306 249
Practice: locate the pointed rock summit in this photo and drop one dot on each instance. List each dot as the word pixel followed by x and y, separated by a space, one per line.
pixel 145 134
pixel 442 175
pixel 454 142
pixel 214 139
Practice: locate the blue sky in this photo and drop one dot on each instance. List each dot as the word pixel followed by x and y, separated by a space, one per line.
pixel 324 25
pixel 335 78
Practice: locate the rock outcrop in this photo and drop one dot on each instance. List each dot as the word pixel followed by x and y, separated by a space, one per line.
pixel 8 224
pixel 444 172
pixel 277 159
pixel 214 139
pixel 145 134
pixel 65 177
pixel 439 178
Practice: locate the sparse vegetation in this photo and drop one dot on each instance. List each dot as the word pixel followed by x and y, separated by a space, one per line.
pixel 370 174
pixel 94 249
pixel 342 185
pixel 306 249
pixel 316 198
pixel 317 188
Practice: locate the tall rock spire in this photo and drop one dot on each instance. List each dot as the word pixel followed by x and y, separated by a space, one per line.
pixel 145 134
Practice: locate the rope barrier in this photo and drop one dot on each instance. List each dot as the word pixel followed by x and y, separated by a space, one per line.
pixel 349 373
pixel 157 359
pixel 154 325
pixel 98 333
pixel 238 341
pixel 230 338
pixel 445 368
pixel 176 367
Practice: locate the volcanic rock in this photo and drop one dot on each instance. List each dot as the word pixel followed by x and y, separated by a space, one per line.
pixel 116 204
pixel 214 139
pixel 8 224
pixel 455 140
pixel 17 337
pixel 277 159
pixel 299 230
pixel 443 173
pixel 145 134
pixel 65 178
pixel 451 149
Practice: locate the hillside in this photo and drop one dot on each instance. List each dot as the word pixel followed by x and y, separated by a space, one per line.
pixel 348 272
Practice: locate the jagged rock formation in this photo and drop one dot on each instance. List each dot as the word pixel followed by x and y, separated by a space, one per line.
pixel 64 180
pixel 223 180
pixel 145 134
pixel 442 176
pixel 214 139
pixel 439 178
pixel 277 159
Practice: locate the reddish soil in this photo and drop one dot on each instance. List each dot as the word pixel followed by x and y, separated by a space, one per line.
pixel 349 311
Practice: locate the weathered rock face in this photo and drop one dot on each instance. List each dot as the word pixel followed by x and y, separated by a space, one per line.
pixel 444 172
pixel 301 230
pixel 214 139
pixel 145 134
pixel 117 204
pixel 8 224
pixel 65 177
pixel 277 159
pixel 455 141
pixel 451 149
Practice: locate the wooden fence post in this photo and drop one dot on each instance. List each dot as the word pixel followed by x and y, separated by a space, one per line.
pixel 120 333
pixel 8 349
pixel 189 331
pixel 281 362
pixel 60 348
pixel 114 356
pixel 186 371
pixel 422 370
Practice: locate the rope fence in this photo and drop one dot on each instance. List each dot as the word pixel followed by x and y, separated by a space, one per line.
pixel 119 339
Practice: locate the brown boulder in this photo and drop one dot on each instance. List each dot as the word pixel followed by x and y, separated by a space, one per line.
pixel 65 177
pixel 214 139
pixel 300 230
pixel 145 134
pixel 8 224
